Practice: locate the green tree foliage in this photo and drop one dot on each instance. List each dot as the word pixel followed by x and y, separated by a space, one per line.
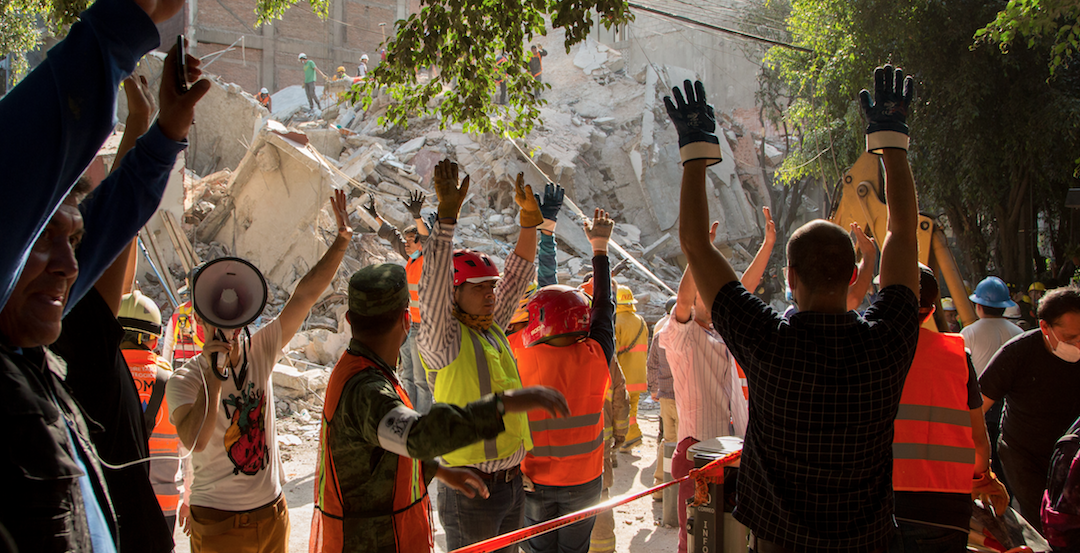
pixel 23 24
pixel 462 39
pixel 992 141
pixel 1054 21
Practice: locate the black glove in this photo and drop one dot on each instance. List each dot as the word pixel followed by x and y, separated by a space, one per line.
pixel 695 122
pixel 415 204
pixel 887 116
pixel 550 206
pixel 370 206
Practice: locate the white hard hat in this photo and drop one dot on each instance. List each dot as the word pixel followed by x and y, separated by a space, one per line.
pixel 363 57
pixel 264 91
pixel 302 56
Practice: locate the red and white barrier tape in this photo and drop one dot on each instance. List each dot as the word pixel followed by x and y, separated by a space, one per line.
pixel 709 472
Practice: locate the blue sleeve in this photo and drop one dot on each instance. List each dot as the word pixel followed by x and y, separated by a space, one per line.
pixel 64 110
pixel 121 205
pixel 602 326
pixel 545 252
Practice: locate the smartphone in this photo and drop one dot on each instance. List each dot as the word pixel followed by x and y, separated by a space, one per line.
pixel 181 64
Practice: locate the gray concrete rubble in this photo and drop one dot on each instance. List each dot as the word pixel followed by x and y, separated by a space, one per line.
pixel 257 185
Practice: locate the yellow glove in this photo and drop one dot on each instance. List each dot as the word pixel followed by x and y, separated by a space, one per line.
pixel 530 210
pixel 988 489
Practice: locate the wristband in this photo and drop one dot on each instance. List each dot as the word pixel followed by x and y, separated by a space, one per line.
pixel 548 225
pixel 879 140
pixel 709 151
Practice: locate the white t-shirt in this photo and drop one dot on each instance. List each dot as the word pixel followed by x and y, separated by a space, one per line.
pixel 239 469
pixel 985 337
pixel 708 396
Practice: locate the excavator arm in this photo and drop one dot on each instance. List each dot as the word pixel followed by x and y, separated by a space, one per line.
pixel 861 199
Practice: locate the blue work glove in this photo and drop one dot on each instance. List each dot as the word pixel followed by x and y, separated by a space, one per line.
pixel 887 115
pixel 695 122
pixel 550 206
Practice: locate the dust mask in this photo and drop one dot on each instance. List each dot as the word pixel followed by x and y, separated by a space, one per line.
pixel 1066 352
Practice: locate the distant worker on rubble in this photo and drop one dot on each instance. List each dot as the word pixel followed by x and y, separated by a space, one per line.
pixel 941 453
pixel 632 349
pixel 409 244
pixel 341 75
pixel 227 419
pixel 184 338
pixel 466 355
pixel 263 97
pixel 375 452
pixel 309 81
pixel 985 336
pixel 362 69
pixel 536 65
pixel 568 345
pixel 816 468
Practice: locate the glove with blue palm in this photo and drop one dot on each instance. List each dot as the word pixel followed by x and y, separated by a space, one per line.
pixel 887 114
pixel 550 205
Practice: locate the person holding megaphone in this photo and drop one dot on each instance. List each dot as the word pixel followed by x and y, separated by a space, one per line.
pixel 222 402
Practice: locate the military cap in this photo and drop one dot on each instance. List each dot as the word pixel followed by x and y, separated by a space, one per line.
pixel 378 289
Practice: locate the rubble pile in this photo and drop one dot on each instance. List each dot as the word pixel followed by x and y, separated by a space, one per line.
pixel 605 138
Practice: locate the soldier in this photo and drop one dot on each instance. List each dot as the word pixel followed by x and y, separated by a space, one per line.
pixel 368 500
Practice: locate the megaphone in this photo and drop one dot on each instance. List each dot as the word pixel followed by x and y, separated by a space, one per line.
pixel 228 293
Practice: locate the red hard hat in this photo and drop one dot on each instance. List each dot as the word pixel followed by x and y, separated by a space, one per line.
pixel 554 311
pixel 473 266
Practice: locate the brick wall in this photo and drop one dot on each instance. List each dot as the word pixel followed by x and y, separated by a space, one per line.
pixel 351 29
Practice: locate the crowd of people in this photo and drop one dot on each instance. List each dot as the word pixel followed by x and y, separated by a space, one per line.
pixel 862 431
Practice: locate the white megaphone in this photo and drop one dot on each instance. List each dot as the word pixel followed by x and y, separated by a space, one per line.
pixel 228 293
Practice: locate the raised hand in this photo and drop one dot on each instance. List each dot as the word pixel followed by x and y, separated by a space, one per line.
pixel 867 245
pixel 415 203
pixel 598 230
pixel 528 202
pixel 887 114
pixel 770 226
pixel 178 108
pixel 340 206
pixel 369 206
pixel 450 194
pixel 695 122
pixel 140 103
pixel 550 206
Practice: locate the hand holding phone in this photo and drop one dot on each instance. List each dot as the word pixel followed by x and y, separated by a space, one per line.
pixel 181 64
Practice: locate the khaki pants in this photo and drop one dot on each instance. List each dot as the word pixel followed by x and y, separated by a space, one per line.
pixel 603 532
pixel 669 422
pixel 264 530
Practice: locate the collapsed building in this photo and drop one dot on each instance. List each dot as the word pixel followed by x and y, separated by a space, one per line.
pixel 256 185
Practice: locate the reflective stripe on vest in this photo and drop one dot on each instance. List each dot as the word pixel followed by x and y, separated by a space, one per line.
pixel 742 381
pixel 933 450
pixel 566 451
pixel 165 475
pixel 482 368
pixel 411 505
pixel 413 270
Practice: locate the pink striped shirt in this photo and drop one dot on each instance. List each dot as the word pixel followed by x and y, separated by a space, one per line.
pixel 708 395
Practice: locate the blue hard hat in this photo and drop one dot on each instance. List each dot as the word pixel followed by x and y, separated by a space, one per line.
pixel 992 292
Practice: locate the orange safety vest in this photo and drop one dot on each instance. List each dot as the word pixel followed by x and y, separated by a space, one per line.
pixel 411 516
pixel 742 380
pixel 187 336
pixel 566 451
pixel 164 441
pixel 933 450
pixel 412 274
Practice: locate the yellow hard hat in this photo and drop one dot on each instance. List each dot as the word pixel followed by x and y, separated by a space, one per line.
pixel 139 313
pixel 624 296
pixel 1037 286
pixel 947 304
pixel 341 69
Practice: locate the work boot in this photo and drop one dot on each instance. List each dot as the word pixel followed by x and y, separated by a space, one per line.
pixel 631 440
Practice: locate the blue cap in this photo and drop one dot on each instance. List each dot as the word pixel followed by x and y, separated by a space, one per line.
pixel 992 292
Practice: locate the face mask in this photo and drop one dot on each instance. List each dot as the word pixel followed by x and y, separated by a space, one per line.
pixel 415 254
pixel 1066 352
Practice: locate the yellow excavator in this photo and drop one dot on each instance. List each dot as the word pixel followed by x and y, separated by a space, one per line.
pixel 861 200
